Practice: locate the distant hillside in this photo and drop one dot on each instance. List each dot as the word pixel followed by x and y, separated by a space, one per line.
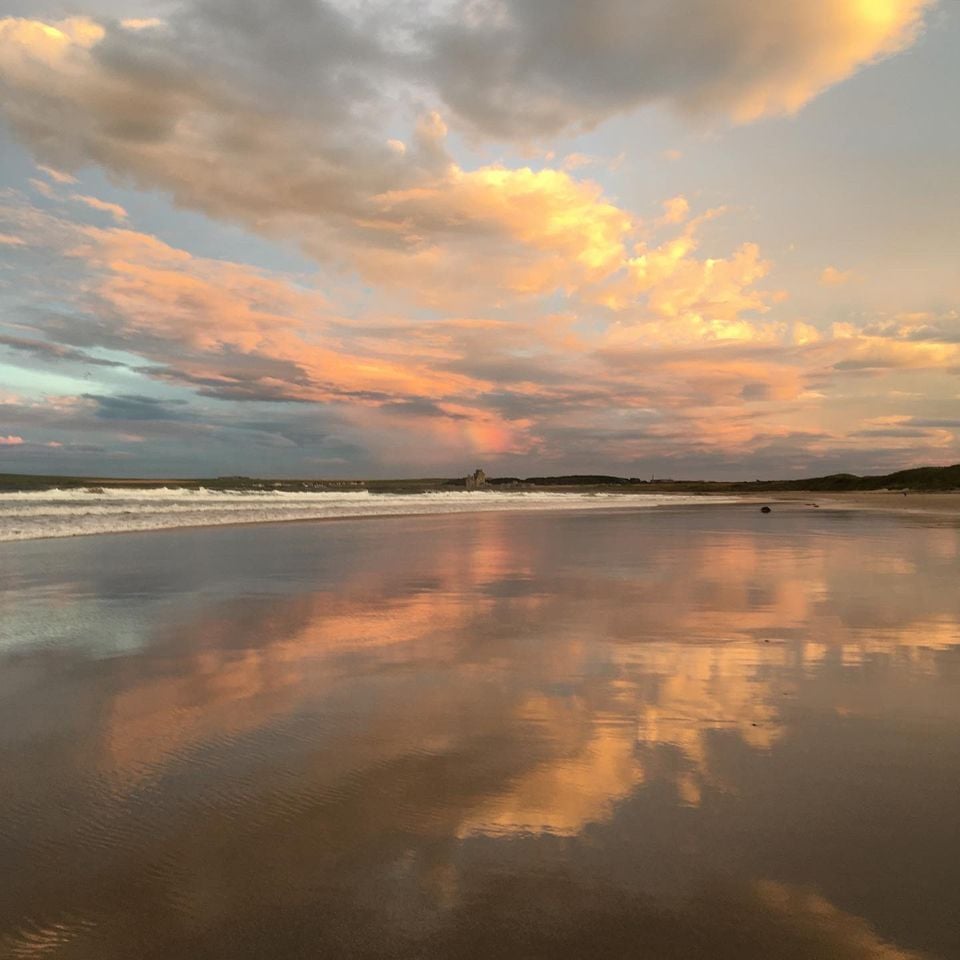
pixel 573 480
pixel 920 478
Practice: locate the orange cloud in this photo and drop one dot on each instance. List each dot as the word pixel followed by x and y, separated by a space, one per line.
pixel 680 297
pixel 831 42
pixel 687 352
pixel 214 306
pixel 238 333
pixel 655 346
pixel 832 277
pixel 675 210
pixel 143 23
pixel 492 232
pixel 25 43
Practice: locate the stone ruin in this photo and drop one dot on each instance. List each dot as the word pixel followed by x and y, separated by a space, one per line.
pixel 476 480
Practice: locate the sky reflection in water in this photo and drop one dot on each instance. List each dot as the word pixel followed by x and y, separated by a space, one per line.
pixel 682 733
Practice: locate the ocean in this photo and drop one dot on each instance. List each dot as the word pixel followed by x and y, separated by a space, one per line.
pixel 35 515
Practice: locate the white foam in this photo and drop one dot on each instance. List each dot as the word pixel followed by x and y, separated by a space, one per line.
pixel 71 513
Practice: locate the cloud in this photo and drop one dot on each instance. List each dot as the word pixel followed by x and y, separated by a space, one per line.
pixel 114 209
pixel 43 188
pixel 10 441
pixel 237 327
pixel 171 436
pixel 10 240
pixel 832 277
pixel 509 232
pixel 213 110
pixel 574 161
pixel 136 407
pixel 682 296
pixel 951 423
pixel 918 327
pixel 519 312
pixel 675 210
pixel 679 362
pixel 177 110
pixel 524 68
pixel 411 219
pixel 233 333
pixel 58 176
pixel 146 23
pixel 47 350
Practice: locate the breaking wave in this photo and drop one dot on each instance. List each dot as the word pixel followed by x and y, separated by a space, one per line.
pixel 70 513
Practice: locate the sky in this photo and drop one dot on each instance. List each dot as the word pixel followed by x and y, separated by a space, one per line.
pixel 383 238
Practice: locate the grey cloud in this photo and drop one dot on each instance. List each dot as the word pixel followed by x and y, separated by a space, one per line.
pixel 534 67
pixel 499 367
pixel 231 111
pixel 86 331
pixel 948 423
pixel 226 372
pixel 905 432
pixel 226 382
pixel 182 437
pixel 309 50
pixel 937 334
pixel 45 350
pixel 864 365
pixel 56 9
pixel 755 391
pixel 942 329
pixel 136 407
pixel 675 453
pixel 418 408
pixel 567 398
pixel 319 433
pixel 224 385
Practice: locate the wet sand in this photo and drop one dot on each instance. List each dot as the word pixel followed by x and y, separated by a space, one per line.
pixel 880 500
pixel 665 734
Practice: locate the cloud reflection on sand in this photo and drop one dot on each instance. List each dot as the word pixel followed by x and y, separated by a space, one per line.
pixel 624 701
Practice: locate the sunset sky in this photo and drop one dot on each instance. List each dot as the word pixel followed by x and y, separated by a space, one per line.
pixel 708 238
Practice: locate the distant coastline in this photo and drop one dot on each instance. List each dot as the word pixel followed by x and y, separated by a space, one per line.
pixel 920 479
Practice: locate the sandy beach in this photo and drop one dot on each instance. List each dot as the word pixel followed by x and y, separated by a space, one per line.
pixel 371 738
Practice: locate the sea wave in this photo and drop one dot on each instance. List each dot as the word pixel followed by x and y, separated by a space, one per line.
pixel 35 515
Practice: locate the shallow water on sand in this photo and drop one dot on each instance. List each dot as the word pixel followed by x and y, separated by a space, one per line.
pixel 686 733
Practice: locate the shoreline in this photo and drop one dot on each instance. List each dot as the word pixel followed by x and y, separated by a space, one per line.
pixel 701 501
pixel 880 501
